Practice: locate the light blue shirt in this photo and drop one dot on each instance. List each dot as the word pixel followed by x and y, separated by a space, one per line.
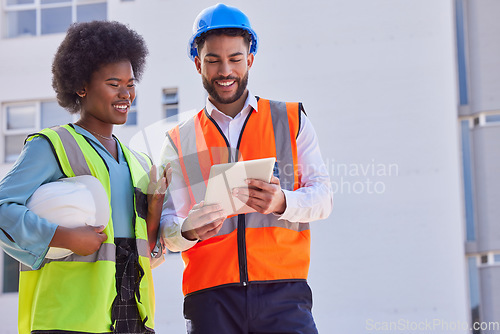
pixel 37 165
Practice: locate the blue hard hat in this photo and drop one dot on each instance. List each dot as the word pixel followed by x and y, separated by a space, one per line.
pixel 217 17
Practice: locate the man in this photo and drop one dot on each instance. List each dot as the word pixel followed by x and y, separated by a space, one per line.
pixel 246 273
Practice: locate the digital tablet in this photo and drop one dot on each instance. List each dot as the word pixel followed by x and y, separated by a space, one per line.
pixel 225 177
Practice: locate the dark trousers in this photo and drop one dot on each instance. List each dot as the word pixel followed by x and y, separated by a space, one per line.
pixel 256 308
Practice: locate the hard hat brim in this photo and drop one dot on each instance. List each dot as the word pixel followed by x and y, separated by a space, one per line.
pixel 193 51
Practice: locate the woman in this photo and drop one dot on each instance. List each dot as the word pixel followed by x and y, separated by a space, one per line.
pixel 106 285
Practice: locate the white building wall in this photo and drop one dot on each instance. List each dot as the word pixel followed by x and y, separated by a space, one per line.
pixel 378 80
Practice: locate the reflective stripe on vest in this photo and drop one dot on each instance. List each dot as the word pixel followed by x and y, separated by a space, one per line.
pixel 140 165
pixel 107 252
pixel 82 301
pixel 251 247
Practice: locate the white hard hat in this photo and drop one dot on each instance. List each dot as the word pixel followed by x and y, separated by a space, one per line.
pixel 71 202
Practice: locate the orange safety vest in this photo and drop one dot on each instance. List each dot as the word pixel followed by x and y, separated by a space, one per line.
pixel 249 247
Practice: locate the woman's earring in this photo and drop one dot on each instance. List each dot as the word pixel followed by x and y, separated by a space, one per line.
pixel 81 93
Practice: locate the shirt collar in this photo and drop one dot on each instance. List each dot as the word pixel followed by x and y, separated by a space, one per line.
pixel 250 101
pixel 93 139
pixel 83 132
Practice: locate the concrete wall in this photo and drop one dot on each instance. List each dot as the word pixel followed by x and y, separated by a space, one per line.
pixel 487 186
pixel 378 80
pixel 489 301
pixel 484 48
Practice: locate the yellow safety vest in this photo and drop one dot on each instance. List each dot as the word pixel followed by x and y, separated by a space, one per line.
pixel 76 293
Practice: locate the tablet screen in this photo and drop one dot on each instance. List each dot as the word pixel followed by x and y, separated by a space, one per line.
pixel 225 177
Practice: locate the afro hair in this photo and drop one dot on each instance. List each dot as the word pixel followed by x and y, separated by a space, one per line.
pixel 88 46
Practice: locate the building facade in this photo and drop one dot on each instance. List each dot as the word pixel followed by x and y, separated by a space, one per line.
pixel 479 115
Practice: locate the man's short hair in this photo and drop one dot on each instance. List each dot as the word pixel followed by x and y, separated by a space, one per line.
pixel 233 32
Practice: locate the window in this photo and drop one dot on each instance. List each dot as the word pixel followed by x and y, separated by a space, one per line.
pixel 461 52
pixel 474 291
pixel 41 17
pixel 171 104
pixel 489 259
pixel 132 114
pixel 491 118
pixel 494 118
pixel 10 274
pixel 24 118
pixel 467 180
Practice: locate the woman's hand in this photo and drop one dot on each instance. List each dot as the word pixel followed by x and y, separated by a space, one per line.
pixel 82 240
pixel 156 196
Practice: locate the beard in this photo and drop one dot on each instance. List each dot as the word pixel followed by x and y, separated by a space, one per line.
pixel 212 92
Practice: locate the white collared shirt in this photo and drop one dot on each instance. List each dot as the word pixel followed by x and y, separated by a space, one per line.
pixel 231 127
pixel 312 201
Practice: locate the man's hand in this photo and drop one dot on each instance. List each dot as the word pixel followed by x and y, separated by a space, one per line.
pixel 204 221
pixel 264 197
pixel 82 240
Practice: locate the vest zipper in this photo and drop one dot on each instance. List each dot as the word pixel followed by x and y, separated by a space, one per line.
pixel 242 250
pixel 241 229
pixel 241 233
